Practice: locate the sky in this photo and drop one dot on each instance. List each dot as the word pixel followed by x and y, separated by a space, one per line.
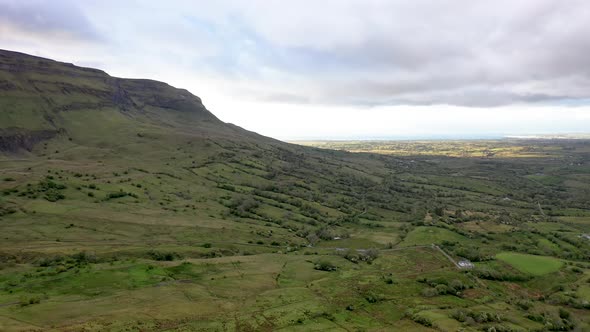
pixel 337 69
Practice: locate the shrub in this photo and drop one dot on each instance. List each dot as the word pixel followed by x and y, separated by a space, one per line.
pixel 564 314
pixel 5 210
pixel 373 298
pixel 241 207
pixel 489 274
pixel 324 265
pixel 119 194
pixel 49 184
pixel 83 257
pixel 441 289
pixel 226 187
pixel 459 315
pixel 457 285
pixel 163 256
pixel 369 255
pixel 53 195
pixel 29 301
pixel 49 261
pixel 524 304
pixel 429 292
pixel 422 320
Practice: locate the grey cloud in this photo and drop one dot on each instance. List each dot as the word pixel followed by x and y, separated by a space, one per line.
pixel 463 52
pixel 286 98
pixel 55 19
pixel 482 98
pixel 362 52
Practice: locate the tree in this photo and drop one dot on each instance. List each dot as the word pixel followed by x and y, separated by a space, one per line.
pixel 312 238
pixel 439 211
pixel 370 255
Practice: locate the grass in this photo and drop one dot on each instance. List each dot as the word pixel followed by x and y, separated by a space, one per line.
pixel 301 293
pixel 258 267
pixel 423 235
pixel 535 265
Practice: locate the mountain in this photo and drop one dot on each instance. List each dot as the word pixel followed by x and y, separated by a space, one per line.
pixel 126 205
pixel 42 99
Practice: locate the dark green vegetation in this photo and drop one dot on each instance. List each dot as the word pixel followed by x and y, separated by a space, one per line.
pixel 126 205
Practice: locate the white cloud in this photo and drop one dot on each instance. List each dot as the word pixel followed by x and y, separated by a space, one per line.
pixel 296 121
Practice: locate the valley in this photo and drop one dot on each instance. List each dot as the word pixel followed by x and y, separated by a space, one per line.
pixel 125 205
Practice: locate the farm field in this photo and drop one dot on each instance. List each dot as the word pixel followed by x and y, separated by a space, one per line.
pixel 535 265
pixel 481 148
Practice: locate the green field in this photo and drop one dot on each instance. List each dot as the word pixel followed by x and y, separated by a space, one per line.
pixel 536 265
pixel 429 235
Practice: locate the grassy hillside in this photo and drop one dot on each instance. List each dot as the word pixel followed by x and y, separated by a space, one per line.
pixel 126 205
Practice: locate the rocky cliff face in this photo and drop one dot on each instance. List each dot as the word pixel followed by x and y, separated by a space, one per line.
pixel 22 73
pixel 15 139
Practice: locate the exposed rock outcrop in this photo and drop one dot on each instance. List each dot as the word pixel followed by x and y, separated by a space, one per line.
pixel 17 139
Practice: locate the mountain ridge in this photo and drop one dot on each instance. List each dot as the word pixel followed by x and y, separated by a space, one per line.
pixel 37 93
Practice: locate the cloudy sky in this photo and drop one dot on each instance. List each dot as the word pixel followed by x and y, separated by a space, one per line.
pixel 337 68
